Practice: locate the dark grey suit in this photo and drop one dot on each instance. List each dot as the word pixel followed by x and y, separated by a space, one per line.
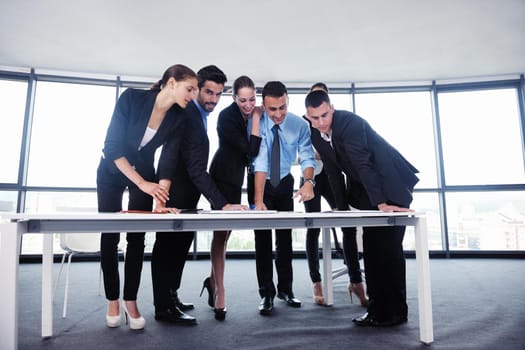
pixel 189 180
pixel 375 173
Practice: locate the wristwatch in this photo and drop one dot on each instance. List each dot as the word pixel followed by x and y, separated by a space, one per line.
pixel 312 181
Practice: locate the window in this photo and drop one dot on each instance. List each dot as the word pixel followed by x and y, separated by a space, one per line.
pixel 12 111
pixel 481 133
pixel 404 119
pixel 481 137
pixel 69 126
pixel 486 220
pixel 8 201
pixel 429 204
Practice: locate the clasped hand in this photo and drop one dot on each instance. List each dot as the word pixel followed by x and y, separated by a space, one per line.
pixel 159 193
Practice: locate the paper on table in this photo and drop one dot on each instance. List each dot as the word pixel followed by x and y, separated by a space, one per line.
pixel 154 212
pixel 351 210
pixel 238 211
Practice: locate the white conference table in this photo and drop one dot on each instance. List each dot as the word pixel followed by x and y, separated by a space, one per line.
pixel 13 226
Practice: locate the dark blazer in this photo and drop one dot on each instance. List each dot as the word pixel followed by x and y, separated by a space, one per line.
pixel 126 130
pixel 376 172
pixel 191 178
pixel 236 149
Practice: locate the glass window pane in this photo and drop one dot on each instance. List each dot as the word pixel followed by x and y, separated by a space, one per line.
pixel 481 137
pixel 486 220
pixel 296 104
pixel 8 201
pixel 12 111
pixel 341 101
pixel 70 122
pixel 427 203
pixel 404 119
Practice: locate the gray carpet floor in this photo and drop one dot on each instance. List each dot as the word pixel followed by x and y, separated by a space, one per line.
pixel 477 304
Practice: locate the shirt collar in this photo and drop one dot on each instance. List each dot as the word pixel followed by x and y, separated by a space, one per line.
pixel 204 113
pixel 271 123
pixel 327 137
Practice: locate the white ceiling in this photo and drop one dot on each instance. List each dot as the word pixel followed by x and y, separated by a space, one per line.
pixel 296 41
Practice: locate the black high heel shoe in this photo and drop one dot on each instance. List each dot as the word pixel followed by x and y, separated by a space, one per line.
pixel 220 313
pixel 207 284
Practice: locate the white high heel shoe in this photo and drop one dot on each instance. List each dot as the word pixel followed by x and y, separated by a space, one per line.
pixel 134 323
pixel 113 321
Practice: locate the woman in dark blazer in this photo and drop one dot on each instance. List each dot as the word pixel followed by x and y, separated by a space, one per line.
pixel 239 140
pixel 143 120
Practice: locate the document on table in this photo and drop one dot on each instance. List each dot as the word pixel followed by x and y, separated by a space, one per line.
pixel 238 211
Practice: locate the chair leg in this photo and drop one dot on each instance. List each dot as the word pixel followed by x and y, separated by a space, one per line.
pixel 343 270
pixel 59 274
pixel 66 289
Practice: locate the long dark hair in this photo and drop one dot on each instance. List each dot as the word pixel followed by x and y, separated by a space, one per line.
pixel 178 71
pixel 241 82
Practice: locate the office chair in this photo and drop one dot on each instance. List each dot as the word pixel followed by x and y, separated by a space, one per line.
pixel 76 244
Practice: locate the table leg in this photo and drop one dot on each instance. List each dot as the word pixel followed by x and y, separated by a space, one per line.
pixel 9 248
pixel 424 297
pixel 328 288
pixel 47 286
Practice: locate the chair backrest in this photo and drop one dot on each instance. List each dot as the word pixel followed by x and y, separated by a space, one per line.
pixel 80 242
pixel 86 242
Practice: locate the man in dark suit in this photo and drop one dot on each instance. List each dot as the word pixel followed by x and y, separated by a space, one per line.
pixel 188 181
pixel 377 177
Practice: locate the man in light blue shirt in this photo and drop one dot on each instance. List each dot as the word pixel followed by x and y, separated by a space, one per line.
pixel 273 190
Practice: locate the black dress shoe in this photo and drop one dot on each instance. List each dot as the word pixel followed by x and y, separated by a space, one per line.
pixel 184 306
pixel 176 302
pixel 289 299
pixel 266 306
pixel 174 315
pixel 368 320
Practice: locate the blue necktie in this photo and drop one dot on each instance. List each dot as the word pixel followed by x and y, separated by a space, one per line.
pixel 275 161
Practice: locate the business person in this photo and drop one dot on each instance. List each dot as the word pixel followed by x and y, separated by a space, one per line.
pixel 239 140
pixel 142 121
pixel 189 179
pixel 285 136
pixel 323 189
pixel 378 178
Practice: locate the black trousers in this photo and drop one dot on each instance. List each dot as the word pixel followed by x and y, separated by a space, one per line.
pixel 170 249
pixel 275 198
pixel 385 265
pixel 110 190
pixel 385 271
pixel 351 254
pixel 167 264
